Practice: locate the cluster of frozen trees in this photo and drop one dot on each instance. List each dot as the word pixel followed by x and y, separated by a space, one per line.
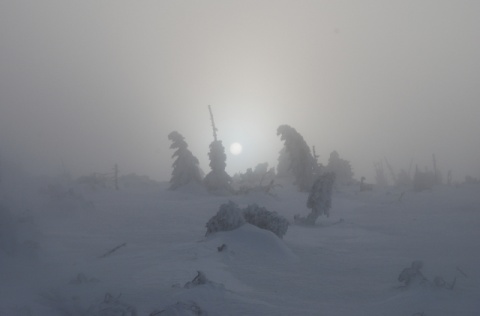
pixel 296 157
pixel 186 169
pixel 419 180
pixel 296 160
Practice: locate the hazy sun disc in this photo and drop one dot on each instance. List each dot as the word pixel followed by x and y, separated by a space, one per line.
pixel 236 149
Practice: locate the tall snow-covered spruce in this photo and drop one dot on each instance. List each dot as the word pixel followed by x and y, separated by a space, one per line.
pixel 217 179
pixel 185 167
pixel 301 162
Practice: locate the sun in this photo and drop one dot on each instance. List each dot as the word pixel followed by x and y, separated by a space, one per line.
pixel 236 148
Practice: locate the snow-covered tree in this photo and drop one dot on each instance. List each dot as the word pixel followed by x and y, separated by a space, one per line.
pixel 185 166
pixel 217 179
pixel 301 162
pixel 341 168
pixel 319 199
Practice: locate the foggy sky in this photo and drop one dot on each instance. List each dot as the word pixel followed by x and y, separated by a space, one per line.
pixel 87 84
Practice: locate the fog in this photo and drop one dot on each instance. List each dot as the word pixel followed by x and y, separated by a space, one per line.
pixel 87 84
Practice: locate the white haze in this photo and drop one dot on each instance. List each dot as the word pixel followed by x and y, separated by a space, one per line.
pixel 87 84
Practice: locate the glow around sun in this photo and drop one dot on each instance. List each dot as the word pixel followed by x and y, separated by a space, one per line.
pixel 236 148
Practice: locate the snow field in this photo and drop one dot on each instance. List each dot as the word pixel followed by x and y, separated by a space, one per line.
pixel 347 264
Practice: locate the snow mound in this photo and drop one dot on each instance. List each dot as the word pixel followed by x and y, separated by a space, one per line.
pixel 250 243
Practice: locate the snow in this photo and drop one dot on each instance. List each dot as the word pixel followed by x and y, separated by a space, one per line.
pixel 346 264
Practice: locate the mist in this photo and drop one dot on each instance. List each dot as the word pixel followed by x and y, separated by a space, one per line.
pixel 86 85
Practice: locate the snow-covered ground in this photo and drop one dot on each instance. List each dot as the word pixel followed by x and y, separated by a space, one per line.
pixel 348 264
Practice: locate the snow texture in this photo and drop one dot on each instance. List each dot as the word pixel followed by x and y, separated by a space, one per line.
pixel 348 267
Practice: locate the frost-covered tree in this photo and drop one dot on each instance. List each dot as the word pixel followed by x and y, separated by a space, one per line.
pixel 341 168
pixel 185 166
pixel 217 179
pixel 301 162
pixel 319 199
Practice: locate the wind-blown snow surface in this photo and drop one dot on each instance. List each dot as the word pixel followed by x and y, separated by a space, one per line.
pixel 347 264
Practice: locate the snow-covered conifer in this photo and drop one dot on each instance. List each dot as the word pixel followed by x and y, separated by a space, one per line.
pixel 218 178
pixel 302 164
pixel 341 168
pixel 185 167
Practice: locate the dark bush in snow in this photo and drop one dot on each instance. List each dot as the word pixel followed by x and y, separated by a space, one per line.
pixel 228 217
pixel 260 217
